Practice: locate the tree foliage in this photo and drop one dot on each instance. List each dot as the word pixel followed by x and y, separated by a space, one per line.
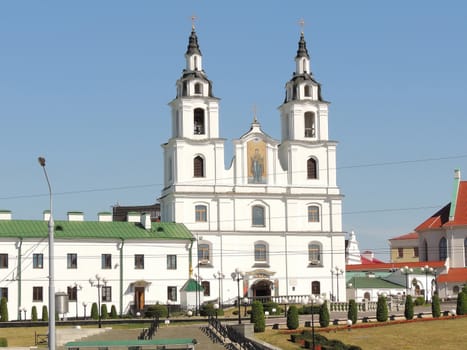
pixel 352 312
pixel 257 317
pixel 104 312
pixel 156 311
pixel 292 317
pixel 435 306
pixel 45 313
pixel 324 315
pixel 4 310
pixel 408 309
pixel 382 309
pixel 461 308
pixel 94 311
pixel 34 313
pixel 113 312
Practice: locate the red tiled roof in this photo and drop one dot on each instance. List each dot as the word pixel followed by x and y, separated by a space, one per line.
pixel 388 266
pixel 411 235
pixel 441 217
pixel 372 261
pixel 458 274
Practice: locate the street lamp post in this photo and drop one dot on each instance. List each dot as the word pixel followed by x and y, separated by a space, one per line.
pixel 84 307
pixel 332 284
pixel 428 271
pixel 238 276
pixel 315 301
pixel 198 279
pixel 406 271
pixel 216 307
pixel 24 310
pixel 245 303
pixel 97 283
pixel 51 337
pixel 219 276
pixel 338 273
pixel 77 287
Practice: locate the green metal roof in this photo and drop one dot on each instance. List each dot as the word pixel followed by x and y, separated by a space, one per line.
pixel 192 286
pixel 372 282
pixel 93 230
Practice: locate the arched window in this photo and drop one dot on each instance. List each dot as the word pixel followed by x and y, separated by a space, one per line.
pixel 311 169
pixel 315 288
pixel 201 213
pixel 198 167
pixel 443 249
pixel 204 253
pixel 206 287
pixel 455 290
pixel 313 213
pixel 307 91
pixel 367 296
pixel 314 253
pixel 261 252
pixel 304 65
pixel 309 124
pixel 198 88
pixel 257 215
pixel 198 121
pixel 195 59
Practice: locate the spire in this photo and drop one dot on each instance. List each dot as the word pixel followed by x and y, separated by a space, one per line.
pixel 302 51
pixel 193 47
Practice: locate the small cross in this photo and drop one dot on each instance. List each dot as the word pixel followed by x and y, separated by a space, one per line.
pixel 301 22
pixel 255 120
pixel 193 19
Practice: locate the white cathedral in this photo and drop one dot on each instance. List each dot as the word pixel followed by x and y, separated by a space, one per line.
pixel 273 219
pixel 276 212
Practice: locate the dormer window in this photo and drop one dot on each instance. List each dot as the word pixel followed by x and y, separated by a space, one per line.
pixel 198 121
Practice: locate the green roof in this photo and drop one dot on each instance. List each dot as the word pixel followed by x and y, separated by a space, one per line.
pixel 93 230
pixel 372 282
pixel 191 286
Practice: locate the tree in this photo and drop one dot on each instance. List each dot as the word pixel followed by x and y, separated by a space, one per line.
pixel 4 309
pixel 45 313
pixel 156 311
pixel 352 312
pixel 292 317
pixel 34 313
pixel 461 308
pixel 382 309
pixel 257 317
pixel 435 306
pixel 408 309
pixel 104 313
pixel 324 315
pixel 94 311
pixel 113 312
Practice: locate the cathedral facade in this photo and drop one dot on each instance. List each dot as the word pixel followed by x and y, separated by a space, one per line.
pixel 275 213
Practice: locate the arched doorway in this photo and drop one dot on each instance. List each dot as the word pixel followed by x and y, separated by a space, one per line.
pixel 261 288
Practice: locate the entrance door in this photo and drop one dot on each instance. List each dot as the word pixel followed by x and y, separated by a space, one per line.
pixel 139 298
pixel 262 289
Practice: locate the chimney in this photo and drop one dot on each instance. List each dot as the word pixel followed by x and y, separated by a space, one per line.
pixel 104 217
pixel 46 215
pixel 5 214
pixel 75 216
pixel 146 221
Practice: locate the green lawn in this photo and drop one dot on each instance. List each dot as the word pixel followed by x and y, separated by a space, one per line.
pixel 439 334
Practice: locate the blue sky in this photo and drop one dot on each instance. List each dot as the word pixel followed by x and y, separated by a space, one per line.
pixel 86 84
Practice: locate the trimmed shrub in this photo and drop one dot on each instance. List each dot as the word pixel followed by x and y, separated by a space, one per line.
pixel 34 313
pixel 104 313
pixel 156 311
pixel 45 313
pixel 207 309
pixel 94 311
pixel 352 313
pixel 113 312
pixel 419 301
pixel 408 310
pixel 324 315
pixel 382 309
pixel 268 306
pixel 3 342
pixel 292 317
pixel 461 308
pixel 435 306
pixel 257 317
pixel 4 310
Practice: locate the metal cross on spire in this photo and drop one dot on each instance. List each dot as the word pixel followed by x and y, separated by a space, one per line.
pixel 193 19
pixel 255 120
pixel 301 22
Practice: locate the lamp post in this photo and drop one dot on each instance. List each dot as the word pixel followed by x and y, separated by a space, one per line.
pixel 168 307
pixel 338 273
pixel 406 271
pixel 24 310
pixel 97 283
pixel 238 276
pixel 76 287
pixel 216 307
pixel 198 279
pixel 245 303
pixel 428 271
pixel 332 284
pixel 19 312
pixel 285 301
pixel 219 276
pixel 51 337
pixel 84 306
pixel 315 301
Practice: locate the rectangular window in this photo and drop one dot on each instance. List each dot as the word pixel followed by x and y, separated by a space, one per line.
pixel 415 252
pixel 106 261
pixel 172 293
pixel 3 261
pixel 203 253
pixel 313 213
pixel 400 253
pixel 4 293
pixel 260 252
pixel 139 261
pixel 201 213
pixel 72 261
pixel 258 216
pixel 37 261
pixel 106 293
pixel 206 288
pixel 72 293
pixel 36 293
pixel 171 262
